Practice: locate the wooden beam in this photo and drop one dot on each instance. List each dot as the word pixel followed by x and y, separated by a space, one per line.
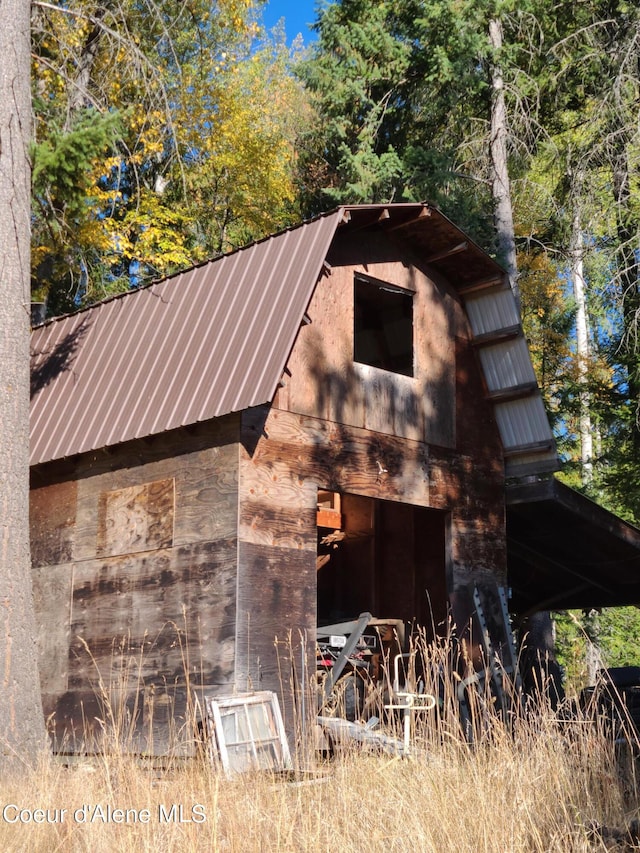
pixel 514 392
pixel 368 218
pixel 447 253
pixel 498 335
pixel 536 463
pixel 330 518
pixel 532 447
pixel 425 213
pixel 494 281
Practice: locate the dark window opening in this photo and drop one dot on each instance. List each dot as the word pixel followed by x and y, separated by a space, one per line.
pixel 383 326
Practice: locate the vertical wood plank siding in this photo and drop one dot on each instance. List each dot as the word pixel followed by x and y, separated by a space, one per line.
pixel 140 600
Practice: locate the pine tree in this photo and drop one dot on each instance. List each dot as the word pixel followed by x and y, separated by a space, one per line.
pixel 22 732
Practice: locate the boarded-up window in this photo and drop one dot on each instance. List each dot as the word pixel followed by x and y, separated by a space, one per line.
pixel 383 326
pixel 138 518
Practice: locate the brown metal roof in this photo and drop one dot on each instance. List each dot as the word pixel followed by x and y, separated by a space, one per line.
pixel 203 343
pixel 214 339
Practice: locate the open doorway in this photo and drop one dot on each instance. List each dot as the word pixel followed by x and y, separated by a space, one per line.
pixel 383 557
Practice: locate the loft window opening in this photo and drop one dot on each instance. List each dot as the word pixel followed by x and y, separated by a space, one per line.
pixel 383 326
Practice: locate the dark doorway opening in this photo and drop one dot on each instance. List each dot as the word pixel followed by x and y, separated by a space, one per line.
pixel 382 557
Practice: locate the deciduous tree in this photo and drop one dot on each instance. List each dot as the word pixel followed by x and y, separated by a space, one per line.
pixel 164 134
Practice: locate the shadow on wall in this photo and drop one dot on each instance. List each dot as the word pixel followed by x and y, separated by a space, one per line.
pixel 430 440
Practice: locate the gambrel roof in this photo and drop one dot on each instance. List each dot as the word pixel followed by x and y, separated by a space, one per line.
pixel 216 338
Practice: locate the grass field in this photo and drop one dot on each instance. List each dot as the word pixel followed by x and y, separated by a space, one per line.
pixel 547 782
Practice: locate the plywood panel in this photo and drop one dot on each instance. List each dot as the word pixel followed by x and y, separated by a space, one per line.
pixel 276 599
pixel 151 721
pixel 189 497
pixel 380 395
pixel 336 457
pixel 325 382
pixel 207 495
pixel 137 518
pixel 320 363
pixel 52 513
pixel 438 320
pixel 277 506
pixel 262 522
pixel 154 615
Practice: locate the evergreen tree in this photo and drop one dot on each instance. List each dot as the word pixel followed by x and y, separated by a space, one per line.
pixel 164 134
pixel 22 731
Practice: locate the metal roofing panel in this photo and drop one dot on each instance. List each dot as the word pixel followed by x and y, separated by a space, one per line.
pixel 489 312
pixel 507 364
pixel 522 422
pixel 203 343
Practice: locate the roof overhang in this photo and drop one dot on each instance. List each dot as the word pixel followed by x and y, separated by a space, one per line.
pixel 565 551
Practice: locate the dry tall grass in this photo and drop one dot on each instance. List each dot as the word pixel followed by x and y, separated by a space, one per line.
pixel 538 783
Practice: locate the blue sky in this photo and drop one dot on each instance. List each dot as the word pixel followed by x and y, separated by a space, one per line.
pixel 298 14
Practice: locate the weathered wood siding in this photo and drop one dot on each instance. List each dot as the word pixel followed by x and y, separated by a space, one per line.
pixel 134 565
pixel 325 381
pixel 433 434
pixel 428 441
pixel 276 603
pixel 297 454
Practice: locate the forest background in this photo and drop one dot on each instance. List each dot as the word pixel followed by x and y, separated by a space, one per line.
pixel 170 131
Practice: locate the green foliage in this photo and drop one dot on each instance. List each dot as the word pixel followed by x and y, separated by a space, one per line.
pixel 63 162
pixel 571 650
pixel 163 135
pixel 403 94
pixel 615 631
pixel 66 197
pixel 619 636
pixel 355 76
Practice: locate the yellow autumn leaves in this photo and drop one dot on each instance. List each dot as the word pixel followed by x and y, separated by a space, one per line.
pixel 203 154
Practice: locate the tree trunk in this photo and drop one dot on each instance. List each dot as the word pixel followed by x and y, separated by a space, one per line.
pixel 79 96
pixel 22 733
pixel 576 252
pixel 628 273
pixel 594 662
pixel 501 187
pixel 541 673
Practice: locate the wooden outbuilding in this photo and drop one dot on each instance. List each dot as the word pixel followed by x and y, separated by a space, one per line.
pixel 320 424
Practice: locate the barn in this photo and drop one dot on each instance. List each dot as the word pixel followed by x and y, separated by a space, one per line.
pixel 340 418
